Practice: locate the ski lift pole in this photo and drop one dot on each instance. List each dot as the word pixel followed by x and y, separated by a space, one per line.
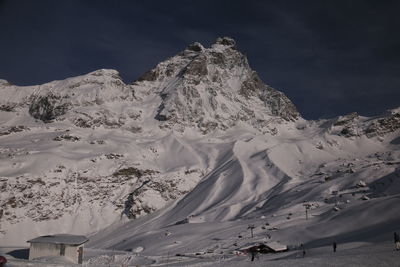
pixel 307 206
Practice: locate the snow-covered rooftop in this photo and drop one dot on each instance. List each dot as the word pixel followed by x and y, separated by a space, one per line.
pixel 276 246
pixel 60 239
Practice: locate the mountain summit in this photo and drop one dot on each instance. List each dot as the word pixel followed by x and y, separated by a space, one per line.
pixel 213 88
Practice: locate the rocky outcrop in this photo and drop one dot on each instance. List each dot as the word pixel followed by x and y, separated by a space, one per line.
pixel 346 119
pixel 48 107
pixel 353 125
pixel 150 75
pixel 227 41
pixel 383 126
pixel 198 67
pixel 196 47
pixel 279 104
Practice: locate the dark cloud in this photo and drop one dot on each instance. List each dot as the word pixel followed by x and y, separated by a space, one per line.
pixel 329 57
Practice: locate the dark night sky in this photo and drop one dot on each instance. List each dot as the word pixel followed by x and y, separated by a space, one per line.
pixel 328 57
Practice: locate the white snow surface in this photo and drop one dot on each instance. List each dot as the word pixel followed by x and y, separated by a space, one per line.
pixel 183 160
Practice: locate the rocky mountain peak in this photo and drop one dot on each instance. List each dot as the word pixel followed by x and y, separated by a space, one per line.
pixel 213 88
pixel 196 47
pixel 226 41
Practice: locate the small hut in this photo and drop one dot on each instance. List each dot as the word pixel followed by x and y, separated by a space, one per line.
pixel 272 247
pixel 64 245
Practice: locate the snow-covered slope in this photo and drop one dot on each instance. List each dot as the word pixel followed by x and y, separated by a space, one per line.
pixel 351 185
pixel 202 144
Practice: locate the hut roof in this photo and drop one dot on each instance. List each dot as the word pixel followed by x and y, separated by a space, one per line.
pixel 61 239
pixel 275 246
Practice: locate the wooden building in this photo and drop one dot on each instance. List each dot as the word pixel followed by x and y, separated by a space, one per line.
pixel 62 245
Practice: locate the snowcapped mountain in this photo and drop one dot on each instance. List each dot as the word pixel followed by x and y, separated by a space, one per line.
pixel 197 139
pixel 213 88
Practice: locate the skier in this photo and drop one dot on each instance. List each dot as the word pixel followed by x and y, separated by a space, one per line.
pixel 396 240
pixel 334 246
pixel 253 251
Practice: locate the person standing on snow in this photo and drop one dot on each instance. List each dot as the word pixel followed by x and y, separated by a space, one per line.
pixel 396 240
pixel 334 246
pixel 253 250
pixel 304 250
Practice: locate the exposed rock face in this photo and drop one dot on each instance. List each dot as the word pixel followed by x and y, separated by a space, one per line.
pixel 383 126
pixel 196 47
pixel 347 119
pixel 353 125
pixel 150 75
pixel 7 107
pixel 198 67
pixel 226 41
pixel 279 104
pixel 48 107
